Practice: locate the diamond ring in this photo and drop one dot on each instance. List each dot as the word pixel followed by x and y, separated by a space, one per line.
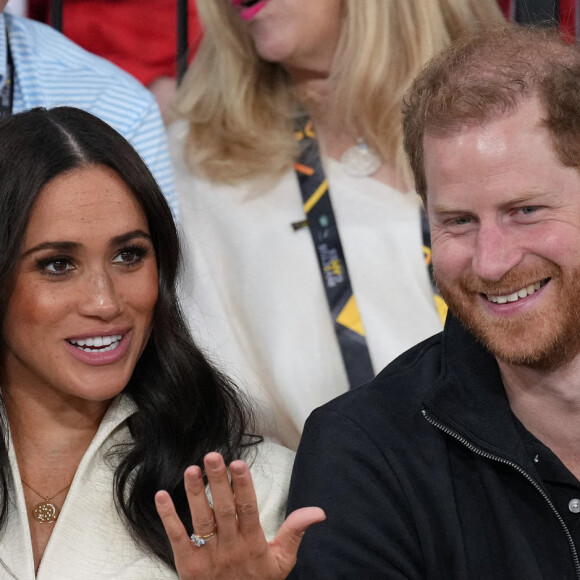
pixel 200 541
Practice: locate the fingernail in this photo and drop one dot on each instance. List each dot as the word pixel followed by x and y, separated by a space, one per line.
pixel 237 468
pixel 193 473
pixel 213 460
pixel 161 497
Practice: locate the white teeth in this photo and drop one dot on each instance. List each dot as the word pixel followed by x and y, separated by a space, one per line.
pixel 521 293
pixel 106 349
pixel 109 342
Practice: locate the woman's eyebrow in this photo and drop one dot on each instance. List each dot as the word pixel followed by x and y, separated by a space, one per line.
pixel 123 238
pixel 70 246
pixel 64 246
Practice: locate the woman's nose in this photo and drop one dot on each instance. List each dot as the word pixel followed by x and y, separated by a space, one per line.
pixel 101 299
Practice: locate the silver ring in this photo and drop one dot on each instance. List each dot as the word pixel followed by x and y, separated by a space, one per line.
pixel 200 541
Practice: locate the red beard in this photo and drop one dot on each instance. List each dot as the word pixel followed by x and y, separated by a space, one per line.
pixel 544 337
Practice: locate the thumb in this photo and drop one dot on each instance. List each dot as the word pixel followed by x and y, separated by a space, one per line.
pixel 285 544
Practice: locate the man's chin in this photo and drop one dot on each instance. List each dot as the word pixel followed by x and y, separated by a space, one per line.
pixel 541 357
pixel 539 341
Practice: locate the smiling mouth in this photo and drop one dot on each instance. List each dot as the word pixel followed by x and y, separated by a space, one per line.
pixel 518 294
pixel 97 343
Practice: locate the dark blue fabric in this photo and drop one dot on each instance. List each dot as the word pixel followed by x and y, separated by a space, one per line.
pixel 406 500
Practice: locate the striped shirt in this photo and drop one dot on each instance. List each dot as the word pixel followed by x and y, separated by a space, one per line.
pixel 52 71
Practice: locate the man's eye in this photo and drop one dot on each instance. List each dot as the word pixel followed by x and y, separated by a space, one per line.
pixel 461 221
pixel 529 209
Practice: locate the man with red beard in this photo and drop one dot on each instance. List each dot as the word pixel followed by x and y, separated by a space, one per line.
pixel 462 458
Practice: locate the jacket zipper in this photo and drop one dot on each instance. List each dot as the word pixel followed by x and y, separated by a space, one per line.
pixel 521 470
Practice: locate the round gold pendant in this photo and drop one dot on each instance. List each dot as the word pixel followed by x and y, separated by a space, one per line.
pixel 45 512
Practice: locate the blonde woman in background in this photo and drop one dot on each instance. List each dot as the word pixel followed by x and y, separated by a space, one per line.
pixel 255 294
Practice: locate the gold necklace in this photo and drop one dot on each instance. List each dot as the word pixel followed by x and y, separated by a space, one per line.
pixel 45 512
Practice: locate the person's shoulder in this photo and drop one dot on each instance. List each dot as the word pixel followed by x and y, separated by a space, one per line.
pixel 269 456
pixel 38 45
pixel 271 466
pixel 195 188
pixel 395 396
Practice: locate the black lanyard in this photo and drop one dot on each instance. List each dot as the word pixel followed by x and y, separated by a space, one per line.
pixel 324 230
pixel 7 92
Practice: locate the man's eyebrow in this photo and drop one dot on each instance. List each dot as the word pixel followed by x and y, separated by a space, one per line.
pixel 443 209
pixel 528 197
pixel 531 197
pixel 65 246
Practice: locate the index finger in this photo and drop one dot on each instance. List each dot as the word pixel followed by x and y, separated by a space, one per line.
pixel 174 528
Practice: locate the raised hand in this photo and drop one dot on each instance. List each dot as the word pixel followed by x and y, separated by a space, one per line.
pixel 229 543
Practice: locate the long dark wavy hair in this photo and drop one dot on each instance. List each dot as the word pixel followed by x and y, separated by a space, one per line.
pixel 186 408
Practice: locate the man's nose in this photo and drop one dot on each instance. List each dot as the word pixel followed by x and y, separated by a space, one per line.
pixel 497 251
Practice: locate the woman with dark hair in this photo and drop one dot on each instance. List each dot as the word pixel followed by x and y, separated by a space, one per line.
pixel 105 398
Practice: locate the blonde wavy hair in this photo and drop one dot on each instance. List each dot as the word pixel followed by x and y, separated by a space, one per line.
pixel 240 108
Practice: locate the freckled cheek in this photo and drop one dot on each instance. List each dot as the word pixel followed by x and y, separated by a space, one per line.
pixel 149 300
pixel 34 320
pixel 141 295
pixel 36 305
pixel 142 298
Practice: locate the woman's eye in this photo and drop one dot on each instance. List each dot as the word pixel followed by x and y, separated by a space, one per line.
pixel 55 266
pixel 125 257
pixel 58 266
pixel 130 256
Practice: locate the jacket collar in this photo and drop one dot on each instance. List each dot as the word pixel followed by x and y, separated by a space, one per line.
pixel 469 397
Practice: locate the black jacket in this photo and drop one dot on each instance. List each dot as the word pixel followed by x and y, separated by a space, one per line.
pixel 423 474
